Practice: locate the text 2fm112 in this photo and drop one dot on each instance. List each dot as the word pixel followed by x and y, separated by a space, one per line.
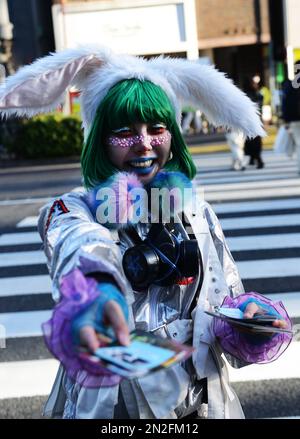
pixel 170 428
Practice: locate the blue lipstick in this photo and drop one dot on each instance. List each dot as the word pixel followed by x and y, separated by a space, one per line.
pixel 142 171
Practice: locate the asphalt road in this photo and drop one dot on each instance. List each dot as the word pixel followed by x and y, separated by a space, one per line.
pixel 33 185
pixel 267 399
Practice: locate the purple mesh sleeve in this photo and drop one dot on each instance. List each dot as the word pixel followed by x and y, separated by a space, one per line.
pixel 78 292
pixel 248 347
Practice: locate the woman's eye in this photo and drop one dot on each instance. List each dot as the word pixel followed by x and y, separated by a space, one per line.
pixel 157 128
pixel 123 132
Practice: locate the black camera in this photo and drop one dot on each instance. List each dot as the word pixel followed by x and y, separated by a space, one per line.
pixel 164 258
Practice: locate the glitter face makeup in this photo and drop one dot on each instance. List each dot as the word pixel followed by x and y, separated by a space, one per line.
pixel 128 142
pixel 142 148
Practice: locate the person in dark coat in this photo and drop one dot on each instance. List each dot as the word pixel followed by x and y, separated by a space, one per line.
pixel 253 147
pixel 291 109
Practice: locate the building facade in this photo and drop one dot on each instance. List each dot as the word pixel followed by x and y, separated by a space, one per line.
pixel 236 35
pixel 232 34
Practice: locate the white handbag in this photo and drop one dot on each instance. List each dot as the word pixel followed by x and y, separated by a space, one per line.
pixel 284 143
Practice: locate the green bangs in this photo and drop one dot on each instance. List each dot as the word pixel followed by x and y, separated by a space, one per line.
pixel 134 101
pixel 128 102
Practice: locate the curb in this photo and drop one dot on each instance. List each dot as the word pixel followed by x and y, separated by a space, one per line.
pixel 9 163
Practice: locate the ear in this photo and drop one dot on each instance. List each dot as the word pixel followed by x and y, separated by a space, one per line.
pixel 213 93
pixel 40 87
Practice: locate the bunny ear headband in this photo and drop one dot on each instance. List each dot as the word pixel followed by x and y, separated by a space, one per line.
pixel 41 86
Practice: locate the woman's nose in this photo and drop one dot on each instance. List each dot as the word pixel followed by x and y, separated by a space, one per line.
pixel 144 143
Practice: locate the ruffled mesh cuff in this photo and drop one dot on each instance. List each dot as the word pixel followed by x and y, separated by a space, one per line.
pixel 249 347
pixel 78 292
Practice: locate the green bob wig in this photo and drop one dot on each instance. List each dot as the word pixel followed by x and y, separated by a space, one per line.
pixel 128 102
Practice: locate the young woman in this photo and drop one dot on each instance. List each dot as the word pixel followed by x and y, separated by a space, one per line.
pixel 131 117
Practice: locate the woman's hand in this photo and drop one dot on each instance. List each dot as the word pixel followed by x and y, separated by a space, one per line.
pixel 105 316
pixel 112 316
pixel 252 308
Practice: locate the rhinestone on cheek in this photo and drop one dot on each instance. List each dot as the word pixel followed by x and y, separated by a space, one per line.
pixel 160 140
pixel 135 140
pixel 119 142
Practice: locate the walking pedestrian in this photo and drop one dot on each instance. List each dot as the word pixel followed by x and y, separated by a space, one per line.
pixel 191 120
pixel 236 142
pixel 291 112
pixel 253 146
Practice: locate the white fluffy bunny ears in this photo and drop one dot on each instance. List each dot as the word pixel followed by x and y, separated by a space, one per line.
pixel 41 86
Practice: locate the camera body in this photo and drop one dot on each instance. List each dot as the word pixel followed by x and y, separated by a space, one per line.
pixel 164 258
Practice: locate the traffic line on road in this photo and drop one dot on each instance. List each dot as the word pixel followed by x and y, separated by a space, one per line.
pixel 29 221
pixel 22 258
pixel 263 269
pixel 19 379
pixel 261 221
pixel 31 378
pixel 20 238
pixel 244 177
pixel 252 206
pixel 25 201
pixel 264 242
pixel 273 184
pixel 238 194
pixel 15 286
pixel 24 324
pixel 274 170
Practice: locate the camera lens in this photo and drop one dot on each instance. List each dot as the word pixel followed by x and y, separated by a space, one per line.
pixel 141 266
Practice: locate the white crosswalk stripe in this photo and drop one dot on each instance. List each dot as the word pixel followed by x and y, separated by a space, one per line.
pixel 252 192
pixel 15 286
pixel 256 206
pixel 30 221
pixel 20 238
pixel 264 242
pixel 260 221
pixel 22 258
pixel 268 268
pixel 27 378
pixel 24 324
pixel 253 207
pixel 286 365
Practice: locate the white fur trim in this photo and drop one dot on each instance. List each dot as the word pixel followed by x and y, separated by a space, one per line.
pixel 182 80
pixel 212 92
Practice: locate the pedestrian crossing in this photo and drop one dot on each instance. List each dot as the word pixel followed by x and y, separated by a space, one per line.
pixel 260 214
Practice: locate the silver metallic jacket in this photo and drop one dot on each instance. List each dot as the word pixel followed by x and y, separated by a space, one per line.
pixel 72 238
